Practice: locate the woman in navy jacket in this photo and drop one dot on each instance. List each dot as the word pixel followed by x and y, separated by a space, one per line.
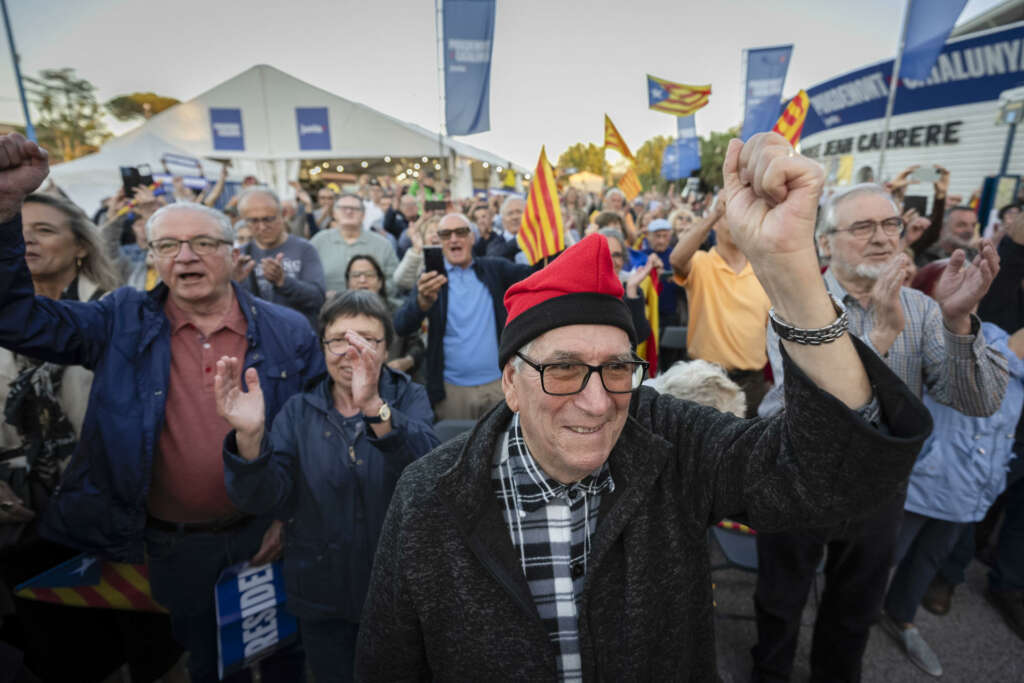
pixel 328 466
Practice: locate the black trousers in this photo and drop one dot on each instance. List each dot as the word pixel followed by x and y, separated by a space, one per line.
pixel 856 572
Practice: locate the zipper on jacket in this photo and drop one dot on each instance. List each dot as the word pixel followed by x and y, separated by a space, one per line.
pixel 352 453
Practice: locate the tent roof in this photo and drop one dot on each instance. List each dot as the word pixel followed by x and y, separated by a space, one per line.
pixel 267 98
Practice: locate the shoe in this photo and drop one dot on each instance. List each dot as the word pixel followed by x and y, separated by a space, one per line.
pixel 914 646
pixel 939 596
pixel 1011 605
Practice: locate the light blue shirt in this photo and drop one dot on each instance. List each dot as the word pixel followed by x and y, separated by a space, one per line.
pixel 470 338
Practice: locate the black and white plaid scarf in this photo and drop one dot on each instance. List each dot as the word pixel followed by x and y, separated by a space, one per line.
pixel 550 525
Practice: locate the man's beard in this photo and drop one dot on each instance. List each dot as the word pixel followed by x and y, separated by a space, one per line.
pixel 868 271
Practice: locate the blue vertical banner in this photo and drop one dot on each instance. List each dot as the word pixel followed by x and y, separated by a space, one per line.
pixel 766 74
pixel 682 157
pixel 314 133
pixel 468 39
pixel 929 23
pixel 226 125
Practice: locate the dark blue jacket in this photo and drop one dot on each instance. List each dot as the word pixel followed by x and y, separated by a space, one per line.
pixel 124 338
pixel 336 492
pixel 497 274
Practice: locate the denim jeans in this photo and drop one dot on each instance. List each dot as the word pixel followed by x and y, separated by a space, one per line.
pixel 1008 569
pixel 183 569
pixel 924 546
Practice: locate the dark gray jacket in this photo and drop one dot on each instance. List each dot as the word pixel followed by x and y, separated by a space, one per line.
pixel 448 600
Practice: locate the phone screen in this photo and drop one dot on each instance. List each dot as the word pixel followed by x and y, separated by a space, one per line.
pixel 925 174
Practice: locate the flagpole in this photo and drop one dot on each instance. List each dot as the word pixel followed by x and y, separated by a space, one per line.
pixel 30 130
pixel 438 30
pixel 893 84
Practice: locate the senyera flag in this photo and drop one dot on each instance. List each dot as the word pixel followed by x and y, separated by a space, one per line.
pixel 613 140
pixel 541 234
pixel 676 98
pixel 87 581
pixel 630 185
pixel 791 123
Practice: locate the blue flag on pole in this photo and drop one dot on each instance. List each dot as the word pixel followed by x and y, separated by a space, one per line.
pixel 682 156
pixel 468 38
pixel 929 23
pixel 766 74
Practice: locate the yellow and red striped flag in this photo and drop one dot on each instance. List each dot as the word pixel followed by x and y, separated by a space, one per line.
pixel 612 139
pixel 648 348
pixel 675 98
pixel 88 581
pixel 791 123
pixel 541 233
pixel 630 185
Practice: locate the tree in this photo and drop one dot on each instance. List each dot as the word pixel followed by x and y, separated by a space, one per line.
pixel 712 156
pixel 648 162
pixel 138 105
pixel 582 157
pixel 69 120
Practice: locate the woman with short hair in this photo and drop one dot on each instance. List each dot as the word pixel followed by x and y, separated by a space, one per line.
pixel 329 465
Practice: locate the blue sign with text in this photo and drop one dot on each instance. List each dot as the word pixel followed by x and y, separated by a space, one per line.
pixel 468 39
pixel 766 74
pixel 314 132
pixel 251 620
pixel 972 69
pixel 226 125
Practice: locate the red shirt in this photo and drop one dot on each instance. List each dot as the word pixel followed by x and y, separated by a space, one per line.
pixel 188 469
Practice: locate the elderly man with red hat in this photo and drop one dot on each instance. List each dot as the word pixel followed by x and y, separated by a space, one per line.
pixel 564 538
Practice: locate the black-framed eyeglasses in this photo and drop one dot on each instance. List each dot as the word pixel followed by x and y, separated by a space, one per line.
pixel 448 232
pixel 863 230
pixel 203 245
pixel 565 378
pixel 339 346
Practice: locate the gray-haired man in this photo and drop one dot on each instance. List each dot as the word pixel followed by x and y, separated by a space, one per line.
pixel 936 344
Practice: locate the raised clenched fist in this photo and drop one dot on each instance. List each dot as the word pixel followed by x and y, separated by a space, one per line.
pixel 23 167
pixel 771 197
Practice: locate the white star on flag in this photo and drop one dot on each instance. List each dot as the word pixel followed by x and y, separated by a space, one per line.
pixel 86 563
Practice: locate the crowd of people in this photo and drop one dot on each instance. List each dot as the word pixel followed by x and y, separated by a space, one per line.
pixel 193 387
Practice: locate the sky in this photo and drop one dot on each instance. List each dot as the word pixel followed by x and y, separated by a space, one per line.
pixel 557 67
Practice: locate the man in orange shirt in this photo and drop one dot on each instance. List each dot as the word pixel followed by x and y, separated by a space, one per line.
pixel 728 308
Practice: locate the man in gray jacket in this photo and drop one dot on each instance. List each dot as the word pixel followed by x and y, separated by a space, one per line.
pixel 565 537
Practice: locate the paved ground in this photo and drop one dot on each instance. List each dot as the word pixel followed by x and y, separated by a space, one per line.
pixel 972 641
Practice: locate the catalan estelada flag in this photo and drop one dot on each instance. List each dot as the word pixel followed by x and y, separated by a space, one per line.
pixel 87 581
pixel 791 123
pixel 541 233
pixel 612 139
pixel 630 185
pixel 675 98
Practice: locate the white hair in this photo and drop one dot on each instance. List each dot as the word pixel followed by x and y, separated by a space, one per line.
pixel 615 191
pixel 827 220
pixel 460 216
pixel 516 361
pixel 253 191
pixel 704 383
pixel 222 221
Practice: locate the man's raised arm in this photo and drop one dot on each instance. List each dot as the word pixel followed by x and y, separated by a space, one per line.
pixel 691 239
pixel 771 205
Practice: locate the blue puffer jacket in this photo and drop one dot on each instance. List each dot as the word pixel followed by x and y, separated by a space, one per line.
pixel 337 492
pixel 962 467
pixel 124 338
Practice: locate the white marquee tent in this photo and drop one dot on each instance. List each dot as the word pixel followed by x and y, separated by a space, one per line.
pixel 266 122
